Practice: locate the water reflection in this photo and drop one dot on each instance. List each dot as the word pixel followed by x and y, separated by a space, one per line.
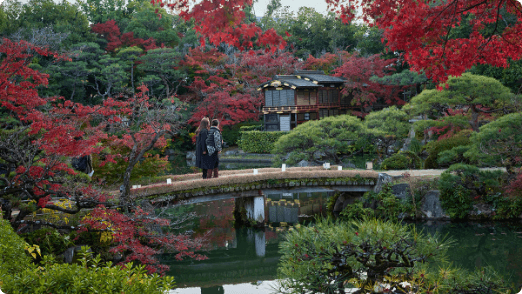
pixel 481 244
pixel 292 208
pixel 244 257
pixel 245 260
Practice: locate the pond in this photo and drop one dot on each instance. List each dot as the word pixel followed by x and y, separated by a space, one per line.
pixel 245 260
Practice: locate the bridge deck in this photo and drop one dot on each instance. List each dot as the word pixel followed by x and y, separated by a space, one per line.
pixel 241 181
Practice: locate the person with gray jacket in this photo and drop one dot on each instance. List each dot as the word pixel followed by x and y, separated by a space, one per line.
pixel 214 146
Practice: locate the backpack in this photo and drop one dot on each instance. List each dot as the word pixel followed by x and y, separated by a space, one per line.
pixel 211 145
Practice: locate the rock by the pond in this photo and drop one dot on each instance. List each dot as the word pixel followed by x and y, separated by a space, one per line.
pixel 231 152
pixel 303 163
pixel 431 206
pixel 344 200
pixel 381 181
pixel 481 210
pixel 191 155
pixel 191 158
pixel 401 191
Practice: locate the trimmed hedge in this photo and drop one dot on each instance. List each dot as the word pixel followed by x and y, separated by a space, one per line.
pixel 232 134
pixel 259 142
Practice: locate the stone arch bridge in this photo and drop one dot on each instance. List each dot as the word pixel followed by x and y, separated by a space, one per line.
pixel 251 188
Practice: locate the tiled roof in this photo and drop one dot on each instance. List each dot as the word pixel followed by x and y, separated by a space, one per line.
pixel 303 79
pixel 291 81
pixel 322 78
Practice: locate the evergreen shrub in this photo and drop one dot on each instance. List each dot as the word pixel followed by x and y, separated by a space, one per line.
pixel 374 256
pixel 461 185
pixel 434 148
pixel 402 160
pixel 13 258
pixel 383 205
pixel 259 142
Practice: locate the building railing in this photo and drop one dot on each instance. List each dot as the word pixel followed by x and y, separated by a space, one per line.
pixel 300 108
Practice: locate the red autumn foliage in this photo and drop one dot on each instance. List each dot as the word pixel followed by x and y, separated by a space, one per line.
pixel 40 134
pixel 37 140
pixel 357 71
pixel 222 22
pixel 226 87
pixel 424 31
pixel 514 187
pixel 111 32
pixel 136 238
pixel 328 62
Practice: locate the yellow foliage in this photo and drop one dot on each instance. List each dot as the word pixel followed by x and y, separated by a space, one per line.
pixel 33 250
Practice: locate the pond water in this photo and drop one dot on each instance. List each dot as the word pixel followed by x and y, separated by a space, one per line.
pixel 245 260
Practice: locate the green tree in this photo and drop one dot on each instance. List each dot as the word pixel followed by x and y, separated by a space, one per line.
pixel 161 63
pixel 110 76
pixel 129 56
pixel 369 41
pixel 374 256
pixel 328 139
pixel 145 24
pixel 62 17
pixel 476 97
pixel 498 143
pixel 72 78
pixel 10 17
pixel 510 77
pixel 391 121
pixel 100 11
pixel 311 33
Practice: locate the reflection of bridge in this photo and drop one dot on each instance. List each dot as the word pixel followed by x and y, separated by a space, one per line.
pixel 252 188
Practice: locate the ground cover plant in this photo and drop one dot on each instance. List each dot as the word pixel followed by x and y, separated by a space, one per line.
pixel 18 274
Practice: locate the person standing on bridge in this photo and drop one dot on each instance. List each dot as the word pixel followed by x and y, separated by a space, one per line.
pixel 214 146
pixel 203 160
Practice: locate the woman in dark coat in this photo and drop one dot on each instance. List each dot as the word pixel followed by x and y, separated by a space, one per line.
pixel 203 160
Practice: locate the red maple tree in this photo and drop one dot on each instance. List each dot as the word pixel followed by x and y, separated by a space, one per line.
pixel 426 31
pixel 39 136
pixel 115 39
pixel 223 22
pixel 364 92
pixel 225 87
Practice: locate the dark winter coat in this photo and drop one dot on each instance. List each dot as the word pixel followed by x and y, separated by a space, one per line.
pixel 203 161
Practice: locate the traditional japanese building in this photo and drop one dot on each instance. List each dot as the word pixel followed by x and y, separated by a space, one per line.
pixel 306 95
